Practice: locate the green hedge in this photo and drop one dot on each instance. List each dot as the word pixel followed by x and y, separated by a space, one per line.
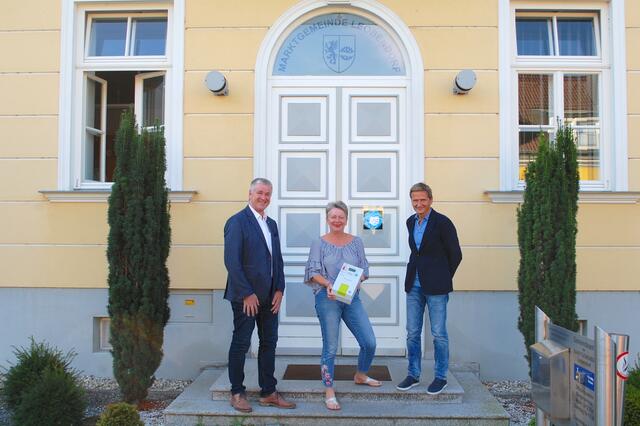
pixel 632 406
pixel 632 397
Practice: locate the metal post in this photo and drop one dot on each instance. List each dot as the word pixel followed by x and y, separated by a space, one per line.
pixel 542 321
pixel 622 349
pixel 605 378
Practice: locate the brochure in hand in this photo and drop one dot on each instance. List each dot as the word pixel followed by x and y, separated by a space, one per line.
pixel 346 282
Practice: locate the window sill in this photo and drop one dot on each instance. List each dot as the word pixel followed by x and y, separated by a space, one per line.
pixel 584 197
pixel 102 196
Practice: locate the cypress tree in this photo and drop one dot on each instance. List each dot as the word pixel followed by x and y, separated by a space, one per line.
pixel 138 247
pixel 547 229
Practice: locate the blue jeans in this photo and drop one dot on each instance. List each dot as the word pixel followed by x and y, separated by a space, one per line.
pixel 330 312
pixel 437 305
pixel 243 326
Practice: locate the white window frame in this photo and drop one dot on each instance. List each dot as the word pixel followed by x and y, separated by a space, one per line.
pixel 105 334
pixel 609 64
pixel 101 131
pixel 76 16
pixel 553 35
pixel 139 97
pixel 129 36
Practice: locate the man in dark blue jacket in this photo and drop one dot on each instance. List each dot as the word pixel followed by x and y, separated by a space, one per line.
pixel 435 256
pixel 255 284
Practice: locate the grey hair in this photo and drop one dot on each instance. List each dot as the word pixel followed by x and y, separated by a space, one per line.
pixel 258 181
pixel 337 205
pixel 421 187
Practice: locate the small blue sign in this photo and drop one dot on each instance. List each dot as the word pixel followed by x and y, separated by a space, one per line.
pixel 585 377
pixel 373 219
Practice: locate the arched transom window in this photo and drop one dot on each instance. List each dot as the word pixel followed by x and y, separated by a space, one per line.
pixel 339 44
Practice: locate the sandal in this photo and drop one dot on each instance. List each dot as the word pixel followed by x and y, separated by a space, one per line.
pixel 332 403
pixel 370 382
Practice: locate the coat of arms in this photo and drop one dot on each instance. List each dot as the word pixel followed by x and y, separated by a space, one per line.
pixel 339 52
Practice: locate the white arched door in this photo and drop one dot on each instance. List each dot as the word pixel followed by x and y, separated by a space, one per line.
pixel 337 127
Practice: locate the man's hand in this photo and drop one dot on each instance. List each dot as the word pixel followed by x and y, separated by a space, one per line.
pixel 277 300
pixel 250 305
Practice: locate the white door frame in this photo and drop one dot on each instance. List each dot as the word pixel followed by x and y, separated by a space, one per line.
pixel 413 80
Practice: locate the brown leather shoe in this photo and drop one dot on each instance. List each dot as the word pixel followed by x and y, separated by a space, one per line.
pixel 240 403
pixel 276 400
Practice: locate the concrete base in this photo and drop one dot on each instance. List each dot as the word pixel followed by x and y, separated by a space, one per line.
pixel 465 401
pixel 313 390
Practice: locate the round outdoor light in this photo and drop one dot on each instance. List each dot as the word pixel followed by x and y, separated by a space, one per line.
pixel 217 83
pixel 464 81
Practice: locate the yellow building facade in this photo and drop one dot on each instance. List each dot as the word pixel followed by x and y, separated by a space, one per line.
pixel 362 126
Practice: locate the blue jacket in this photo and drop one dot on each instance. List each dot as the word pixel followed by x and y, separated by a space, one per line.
pixel 437 258
pixel 248 261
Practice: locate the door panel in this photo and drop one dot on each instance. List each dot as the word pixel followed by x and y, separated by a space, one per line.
pixel 373 119
pixel 328 143
pixel 373 150
pixel 301 153
pixel 380 295
pixel 304 118
pixel 299 226
pixel 299 331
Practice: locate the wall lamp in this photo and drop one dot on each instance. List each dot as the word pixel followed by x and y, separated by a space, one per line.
pixel 464 82
pixel 217 83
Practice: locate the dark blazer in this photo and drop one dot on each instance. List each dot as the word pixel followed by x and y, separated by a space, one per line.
pixel 247 258
pixel 437 258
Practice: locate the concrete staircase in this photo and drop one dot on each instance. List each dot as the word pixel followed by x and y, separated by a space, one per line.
pixel 464 401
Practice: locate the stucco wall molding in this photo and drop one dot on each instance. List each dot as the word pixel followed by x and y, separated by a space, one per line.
pixel 584 197
pixel 102 196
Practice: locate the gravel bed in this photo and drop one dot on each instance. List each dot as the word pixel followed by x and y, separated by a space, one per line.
pixel 101 383
pixel 102 391
pixel 515 397
pixel 509 388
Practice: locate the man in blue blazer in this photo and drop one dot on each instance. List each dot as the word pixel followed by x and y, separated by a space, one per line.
pixel 255 284
pixel 435 256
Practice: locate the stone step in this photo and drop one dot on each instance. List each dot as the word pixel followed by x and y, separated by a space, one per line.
pixel 312 390
pixel 195 406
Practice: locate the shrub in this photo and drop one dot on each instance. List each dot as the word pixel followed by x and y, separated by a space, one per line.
pixel 547 230
pixel 120 414
pixel 31 363
pixel 632 405
pixel 138 247
pixel 54 400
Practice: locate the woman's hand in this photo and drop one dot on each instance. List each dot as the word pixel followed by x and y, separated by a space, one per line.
pixel 330 294
pixel 362 278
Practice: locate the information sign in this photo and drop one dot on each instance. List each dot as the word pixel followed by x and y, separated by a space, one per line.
pixel 583 382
